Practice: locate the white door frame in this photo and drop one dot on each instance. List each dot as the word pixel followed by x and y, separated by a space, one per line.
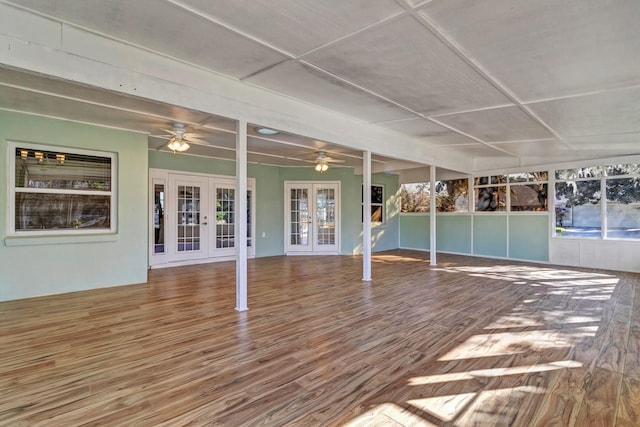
pixel 168 178
pixel 312 248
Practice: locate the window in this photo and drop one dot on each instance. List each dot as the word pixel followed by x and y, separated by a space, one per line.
pixel 377 204
pixel 451 196
pixel 56 190
pixel 517 192
pixel 528 191
pixel 580 194
pixel 490 193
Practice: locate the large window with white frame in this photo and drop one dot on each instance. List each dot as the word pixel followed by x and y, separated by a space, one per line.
pixel 515 192
pixel 55 190
pixel 598 201
pixel 451 196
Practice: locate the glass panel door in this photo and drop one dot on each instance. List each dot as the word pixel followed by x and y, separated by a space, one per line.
pixel 188 224
pixel 189 219
pixel 158 219
pixel 311 221
pixel 299 218
pixel 225 218
pixel 325 218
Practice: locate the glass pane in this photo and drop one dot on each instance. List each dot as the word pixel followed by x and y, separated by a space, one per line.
pixel 158 219
pixel 61 170
pixel 624 169
pixel 572 174
pixel 325 217
pixel 623 208
pixel 578 208
pixel 225 214
pixel 490 199
pixel 188 222
pixel 377 194
pixel 532 197
pixel 415 197
pixel 452 195
pixel 299 216
pixel 37 211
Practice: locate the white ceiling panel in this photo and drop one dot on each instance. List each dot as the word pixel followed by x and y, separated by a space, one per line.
pixel 167 28
pixel 479 150
pixel 546 48
pixel 297 26
pixel 419 127
pixel 549 148
pixel 598 114
pixel 309 84
pixel 450 138
pixel 404 62
pixel 497 124
pixel 618 144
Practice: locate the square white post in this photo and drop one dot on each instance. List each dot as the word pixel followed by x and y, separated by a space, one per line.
pixel 240 219
pixel 366 216
pixel 432 214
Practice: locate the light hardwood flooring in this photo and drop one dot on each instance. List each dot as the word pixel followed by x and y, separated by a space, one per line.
pixel 471 342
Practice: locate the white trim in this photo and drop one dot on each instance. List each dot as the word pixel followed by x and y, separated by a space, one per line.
pixel 162 260
pixel 311 186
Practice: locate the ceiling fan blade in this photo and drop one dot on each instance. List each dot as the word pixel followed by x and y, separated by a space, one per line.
pixel 332 160
pixel 196 141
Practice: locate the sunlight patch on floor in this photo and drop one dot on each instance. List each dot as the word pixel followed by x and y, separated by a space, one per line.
pixel 510 343
pixel 388 415
pixel 493 372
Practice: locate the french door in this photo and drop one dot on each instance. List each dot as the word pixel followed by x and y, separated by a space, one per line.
pixel 312 224
pixel 193 218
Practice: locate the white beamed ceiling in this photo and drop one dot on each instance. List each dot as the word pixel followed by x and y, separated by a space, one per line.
pixel 496 82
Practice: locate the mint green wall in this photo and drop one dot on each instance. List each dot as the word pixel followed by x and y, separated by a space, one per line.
pixel 386 235
pixel 453 233
pixel 529 237
pixel 490 235
pixel 28 267
pixel 270 199
pixel 414 231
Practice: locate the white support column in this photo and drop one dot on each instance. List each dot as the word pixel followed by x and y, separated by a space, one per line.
pixel 366 216
pixel 241 216
pixel 432 214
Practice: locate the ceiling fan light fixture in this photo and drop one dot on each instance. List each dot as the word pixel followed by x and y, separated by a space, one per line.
pixel 178 144
pixel 322 167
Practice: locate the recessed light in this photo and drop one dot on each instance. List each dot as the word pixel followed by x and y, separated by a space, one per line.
pixel 267 131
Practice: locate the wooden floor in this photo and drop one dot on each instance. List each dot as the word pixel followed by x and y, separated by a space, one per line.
pixel 471 342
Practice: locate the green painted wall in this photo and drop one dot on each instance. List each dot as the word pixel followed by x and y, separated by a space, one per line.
pixel 28 267
pixel 490 235
pixel 453 233
pixel 386 235
pixel 270 199
pixel 529 237
pixel 414 231
pixel 269 193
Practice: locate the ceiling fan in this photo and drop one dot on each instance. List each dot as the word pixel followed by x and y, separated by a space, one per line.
pixel 179 138
pixel 322 161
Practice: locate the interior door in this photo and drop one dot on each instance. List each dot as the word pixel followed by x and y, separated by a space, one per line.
pixel 189 233
pixel 312 220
